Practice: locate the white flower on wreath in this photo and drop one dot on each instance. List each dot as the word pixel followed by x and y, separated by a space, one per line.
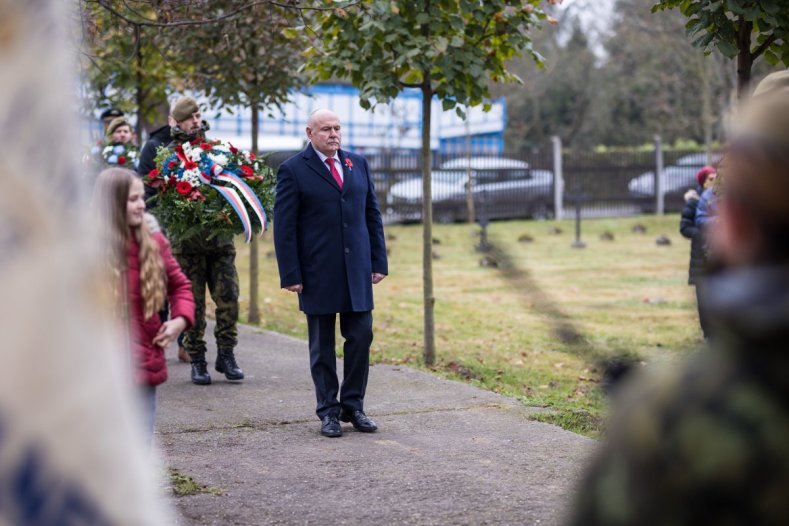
pixel 220 159
pixel 191 176
pixel 223 146
pixel 107 150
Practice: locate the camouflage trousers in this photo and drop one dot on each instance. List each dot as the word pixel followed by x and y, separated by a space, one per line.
pixel 217 271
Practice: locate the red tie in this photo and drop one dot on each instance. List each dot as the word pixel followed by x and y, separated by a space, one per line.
pixel 335 174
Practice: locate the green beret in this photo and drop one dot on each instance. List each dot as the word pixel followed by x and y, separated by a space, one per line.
pixel 184 108
pixel 116 123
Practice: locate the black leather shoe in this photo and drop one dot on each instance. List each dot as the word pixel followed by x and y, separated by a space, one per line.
pixel 330 426
pixel 359 420
pixel 200 373
pixel 226 364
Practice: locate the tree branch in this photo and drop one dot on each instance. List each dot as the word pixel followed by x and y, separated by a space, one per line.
pixel 762 48
pixel 153 23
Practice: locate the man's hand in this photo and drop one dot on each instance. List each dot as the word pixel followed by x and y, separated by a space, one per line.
pixel 378 277
pixel 295 288
pixel 169 331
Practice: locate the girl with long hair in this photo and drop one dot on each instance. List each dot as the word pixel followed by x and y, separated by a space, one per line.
pixel 145 275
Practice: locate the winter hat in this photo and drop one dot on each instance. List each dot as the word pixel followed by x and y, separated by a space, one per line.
pixel 111 113
pixel 184 108
pixel 116 123
pixel 703 173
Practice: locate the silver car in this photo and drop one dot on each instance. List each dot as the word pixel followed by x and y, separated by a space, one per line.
pixel 676 178
pixel 501 188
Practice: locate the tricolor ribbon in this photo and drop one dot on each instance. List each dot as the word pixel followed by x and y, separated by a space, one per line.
pixel 235 200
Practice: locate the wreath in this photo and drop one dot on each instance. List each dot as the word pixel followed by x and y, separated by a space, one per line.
pixel 210 188
pixel 125 155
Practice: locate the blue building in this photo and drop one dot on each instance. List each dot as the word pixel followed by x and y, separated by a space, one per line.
pixel 396 126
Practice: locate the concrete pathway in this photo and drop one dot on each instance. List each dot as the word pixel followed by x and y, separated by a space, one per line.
pixel 445 452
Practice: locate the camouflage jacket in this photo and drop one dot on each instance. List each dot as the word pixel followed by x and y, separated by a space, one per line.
pixel 708 444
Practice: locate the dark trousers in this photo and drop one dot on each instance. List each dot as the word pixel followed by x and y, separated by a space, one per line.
pixel 357 329
pixel 704 321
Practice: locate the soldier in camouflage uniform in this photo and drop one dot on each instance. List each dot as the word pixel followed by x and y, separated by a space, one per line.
pixel 710 444
pixel 207 263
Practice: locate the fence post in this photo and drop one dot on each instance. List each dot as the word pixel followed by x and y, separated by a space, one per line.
pixel 558 178
pixel 659 197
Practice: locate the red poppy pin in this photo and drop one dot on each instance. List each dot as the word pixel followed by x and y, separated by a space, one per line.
pixel 349 164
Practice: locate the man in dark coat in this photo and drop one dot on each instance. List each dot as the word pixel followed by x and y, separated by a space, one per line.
pixel 159 137
pixel 330 247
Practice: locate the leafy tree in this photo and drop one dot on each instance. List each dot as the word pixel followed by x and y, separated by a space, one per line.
pixel 746 29
pixel 558 100
pixel 247 61
pixel 450 49
pixel 130 67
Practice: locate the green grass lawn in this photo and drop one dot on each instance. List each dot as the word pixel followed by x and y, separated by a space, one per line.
pixel 535 328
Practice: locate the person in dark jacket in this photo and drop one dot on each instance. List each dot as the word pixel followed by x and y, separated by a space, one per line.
pixel 705 178
pixel 159 137
pixel 710 443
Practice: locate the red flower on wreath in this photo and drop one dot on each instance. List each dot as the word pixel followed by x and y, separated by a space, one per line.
pixel 349 163
pixel 205 147
pixel 233 149
pixel 190 165
pixel 172 181
pixel 121 159
pixel 153 174
pixel 172 165
pixel 247 171
pixel 252 157
pixel 183 188
pixel 196 195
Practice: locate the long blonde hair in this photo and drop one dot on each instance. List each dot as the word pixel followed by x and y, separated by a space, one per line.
pixel 110 198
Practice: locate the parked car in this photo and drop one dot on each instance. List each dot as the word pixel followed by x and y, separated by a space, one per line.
pixel 676 179
pixel 501 188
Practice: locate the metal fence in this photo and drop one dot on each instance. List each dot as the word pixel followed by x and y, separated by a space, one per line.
pixel 543 183
pixel 524 185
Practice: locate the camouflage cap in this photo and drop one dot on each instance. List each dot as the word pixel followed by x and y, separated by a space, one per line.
pixel 184 108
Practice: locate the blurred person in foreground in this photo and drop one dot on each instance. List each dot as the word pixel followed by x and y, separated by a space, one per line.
pixel 710 443
pixel 71 442
pixel 146 275
pixel 705 178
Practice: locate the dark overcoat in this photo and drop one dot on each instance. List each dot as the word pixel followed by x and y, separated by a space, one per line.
pixel 329 240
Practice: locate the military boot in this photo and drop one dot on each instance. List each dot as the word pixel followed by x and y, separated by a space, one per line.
pixel 226 364
pixel 200 374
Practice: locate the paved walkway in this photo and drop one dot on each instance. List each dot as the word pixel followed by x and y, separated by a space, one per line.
pixel 445 452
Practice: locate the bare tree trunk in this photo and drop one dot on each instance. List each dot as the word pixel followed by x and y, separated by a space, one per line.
pixel 469 178
pixel 429 351
pixel 254 312
pixel 707 116
pixel 139 95
pixel 744 58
